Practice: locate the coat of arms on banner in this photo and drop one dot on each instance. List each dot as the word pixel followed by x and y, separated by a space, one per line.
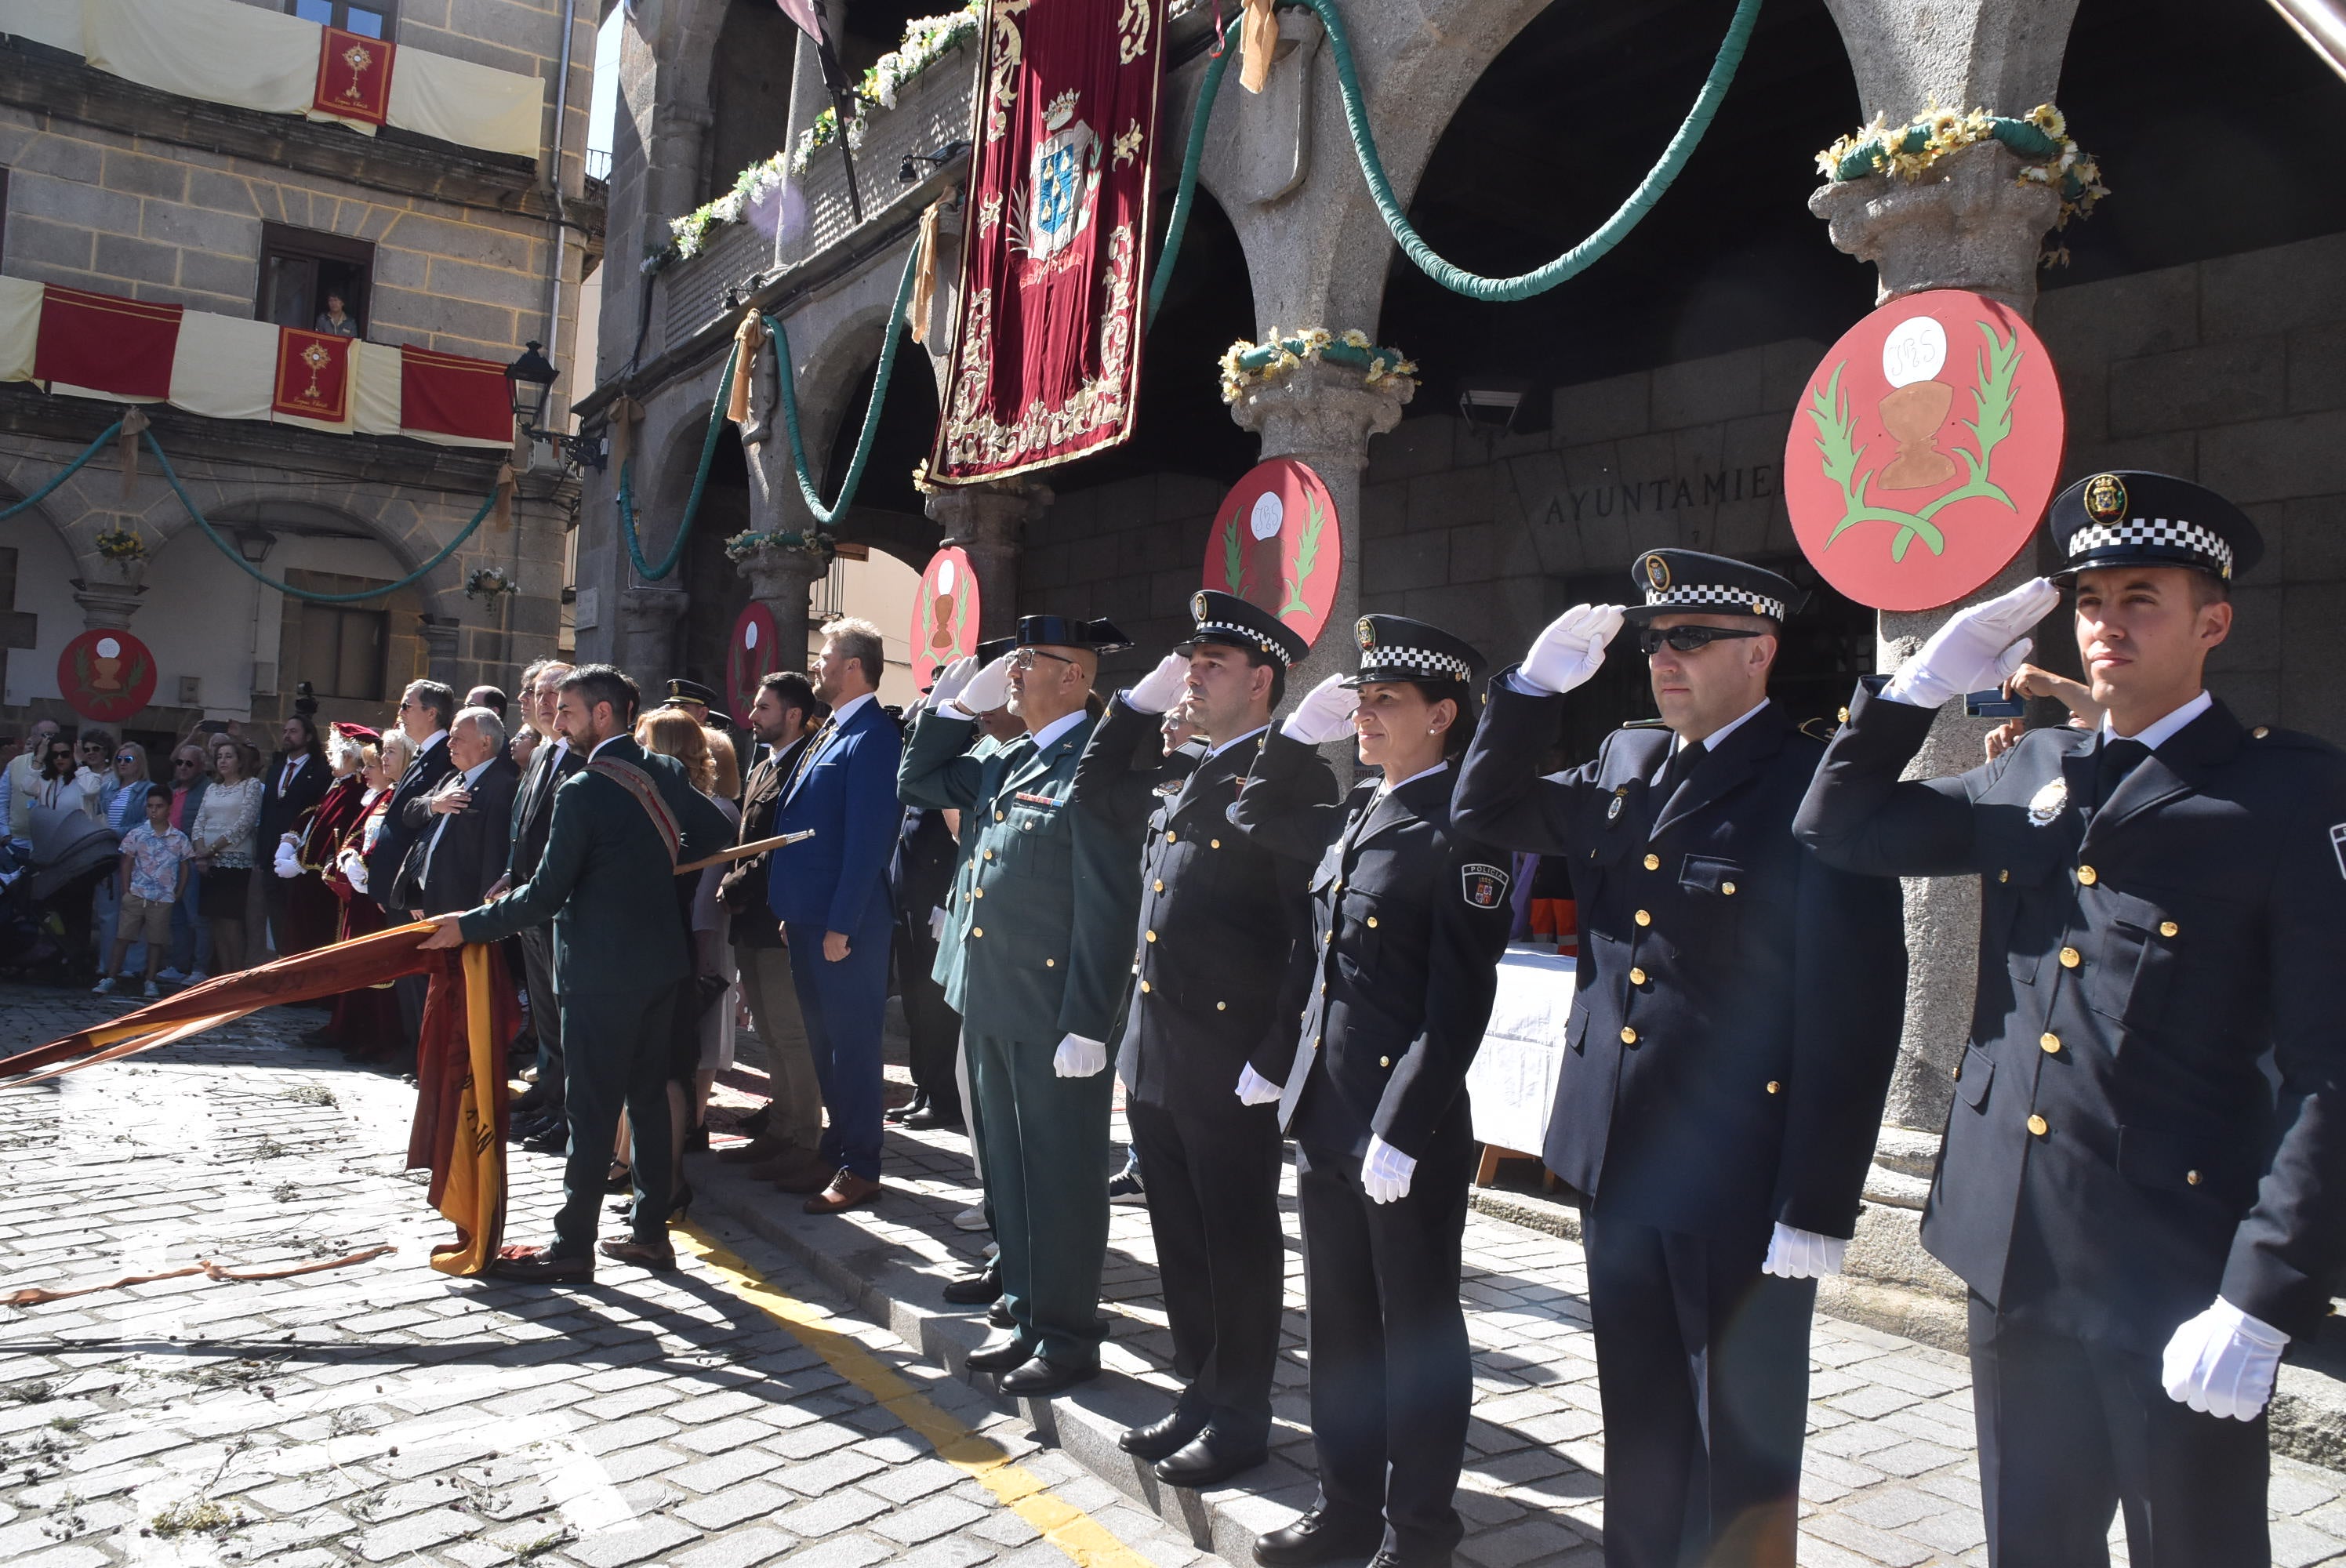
pixel 1046 358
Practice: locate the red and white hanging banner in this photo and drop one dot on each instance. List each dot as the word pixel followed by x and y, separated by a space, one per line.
pixel 313 378
pixel 353 77
pixel 1046 358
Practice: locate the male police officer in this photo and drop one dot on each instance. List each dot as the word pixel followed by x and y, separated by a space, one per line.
pixel 1219 917
pixel 1034 973
pixel 2164 904
pixel 1730 1043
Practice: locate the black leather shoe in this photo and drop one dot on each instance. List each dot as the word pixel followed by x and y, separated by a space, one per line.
pixel 907 1111
pixel 530 1102
pixel 1001 1356
pixel 1041 1377
pixel 521 1126
pixel 1317 1537
pixel 974 1289
pixel 928 1119
pixel 999 1315
pixel 554 1140
pixel 1159 1438
pixel 1211 1460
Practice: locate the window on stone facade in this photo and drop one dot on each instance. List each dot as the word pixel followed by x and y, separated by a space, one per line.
pixel 372 18
pixel 301 271
pixel 343 651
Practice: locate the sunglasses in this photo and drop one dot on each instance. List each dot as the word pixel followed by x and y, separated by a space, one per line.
pixel 126 757
pixel 185 762
pixel 1687 639
pixel 1025 658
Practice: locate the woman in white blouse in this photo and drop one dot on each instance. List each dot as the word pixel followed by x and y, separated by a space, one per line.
pixel 223 840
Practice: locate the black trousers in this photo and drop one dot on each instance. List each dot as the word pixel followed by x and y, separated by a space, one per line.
pixel 2071 1431
pixel 615 1048
pixel 1391 1382
pixel 544 1011
pixel 1213 1205
pixel 1702 1369
pixel 928 1018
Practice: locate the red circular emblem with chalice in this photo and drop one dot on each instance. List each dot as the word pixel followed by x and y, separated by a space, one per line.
pixel 106 675
pixel 1277 544
pixel 754 654
pixel 1924 450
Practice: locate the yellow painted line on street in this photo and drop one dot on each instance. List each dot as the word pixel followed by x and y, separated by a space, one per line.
pixel 1073 1531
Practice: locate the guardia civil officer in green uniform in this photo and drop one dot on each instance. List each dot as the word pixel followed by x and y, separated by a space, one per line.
pixel 1032 960
pixel 1220 914
pixel 1393 985
pixel 2144 1179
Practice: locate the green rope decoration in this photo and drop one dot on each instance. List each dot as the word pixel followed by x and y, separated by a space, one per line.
pixel 1209 90
pixel 2040 139
pixel 68 472
pixel 627 531
pixel 828 516
pixel 258 575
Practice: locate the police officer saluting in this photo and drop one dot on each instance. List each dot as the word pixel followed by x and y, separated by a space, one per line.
pixel 1218 917
pixel 1735 1022
pixel 2144 1219
pixel 1393 985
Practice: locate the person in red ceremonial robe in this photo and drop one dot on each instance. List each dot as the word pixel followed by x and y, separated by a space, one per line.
pixel 311 915
pixel 365 1023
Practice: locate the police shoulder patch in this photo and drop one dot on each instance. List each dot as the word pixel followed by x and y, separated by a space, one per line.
pixel 1484 886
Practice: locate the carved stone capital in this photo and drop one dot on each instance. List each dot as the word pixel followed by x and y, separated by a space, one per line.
pixel 989 521
pixel 1320 412
pixel 1967 223
pixel 781 573
pixel 108 604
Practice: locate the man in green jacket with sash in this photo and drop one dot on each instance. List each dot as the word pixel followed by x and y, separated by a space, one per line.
pixel 606 879
pixel 1032 959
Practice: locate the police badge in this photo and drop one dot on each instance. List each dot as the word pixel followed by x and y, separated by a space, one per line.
pixel 2047 802
pixel 1485 886
pixel 1657 573
pixel 2106 497
pixel 1366 632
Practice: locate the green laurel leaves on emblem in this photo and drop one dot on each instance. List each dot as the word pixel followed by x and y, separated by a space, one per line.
pixel 1992 398
pixel 1307 556
pixel 1233 556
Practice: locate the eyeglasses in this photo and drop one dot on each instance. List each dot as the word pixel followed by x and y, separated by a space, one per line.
pixel 1025 658
pixel 186 763
pixel 1687 639
pixel 126 757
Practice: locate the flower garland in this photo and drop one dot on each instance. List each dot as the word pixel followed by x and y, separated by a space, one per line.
pixel 2041 140
pixel 1249 365
pixel 744 544
pixel 485 583
pixel 927 40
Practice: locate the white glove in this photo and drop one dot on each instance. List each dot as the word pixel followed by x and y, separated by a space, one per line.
pixel 950 679
pixel 989 688
pixel 287 864
pixel 936 925
pixel 2223 1362
pixel 1977 648
pixel 1385 1172
pixel 1325 714
pixel 1567 653
pixel 1803 1254
pixel 1161 687
pixel 1254 1089
pixel 355 870
pixel 1077 1057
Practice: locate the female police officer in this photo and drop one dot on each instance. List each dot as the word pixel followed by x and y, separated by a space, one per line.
pixel 1393 989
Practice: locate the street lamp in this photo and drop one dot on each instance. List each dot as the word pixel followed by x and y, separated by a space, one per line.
pixel 530 381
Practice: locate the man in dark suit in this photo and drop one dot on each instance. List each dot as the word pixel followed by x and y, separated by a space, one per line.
pixel 1035 975
pixel 1735 1021
pixel 921 876
pixel 831 894
pixel 425 708
pixel 786 1132
pixel 1219 917
pixel 554 760
pixel 460 854
pixel 621 826
pixel 2143 1181
pixel 300 910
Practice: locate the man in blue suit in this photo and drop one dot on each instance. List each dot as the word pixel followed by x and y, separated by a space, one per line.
pixel 831 894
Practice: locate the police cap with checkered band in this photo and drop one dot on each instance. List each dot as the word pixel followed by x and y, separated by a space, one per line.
pixel 1227 619
pixel 2131 518
pixel 1689 582
pixel 1394 648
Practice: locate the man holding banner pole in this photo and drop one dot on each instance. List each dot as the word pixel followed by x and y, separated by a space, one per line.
pixel 620 828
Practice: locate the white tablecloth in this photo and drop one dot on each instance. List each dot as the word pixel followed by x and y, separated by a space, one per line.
pixel 1512 1084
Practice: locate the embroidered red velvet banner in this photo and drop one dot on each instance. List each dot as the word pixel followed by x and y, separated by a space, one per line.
pixel 1046 361
pixel 354 76
pixel 450 394
pixel 105 343
pixel 313 376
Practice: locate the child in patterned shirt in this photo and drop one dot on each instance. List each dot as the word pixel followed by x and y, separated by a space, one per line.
pixel 152 877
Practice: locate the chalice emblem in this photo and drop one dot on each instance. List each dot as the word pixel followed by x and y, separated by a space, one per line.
pixel 941 640
pixel 316 357
pixel 1916 406
pixel 357 58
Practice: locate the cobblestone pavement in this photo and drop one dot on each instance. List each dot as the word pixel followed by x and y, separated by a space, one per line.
pixel 383 1413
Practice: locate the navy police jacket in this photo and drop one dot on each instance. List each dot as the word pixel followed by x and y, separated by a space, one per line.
pixel 1737 1002
pixel 2148 1113
pixel 1393 984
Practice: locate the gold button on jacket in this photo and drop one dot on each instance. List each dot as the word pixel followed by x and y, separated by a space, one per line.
pixel 2071 958
pixel 2038 1125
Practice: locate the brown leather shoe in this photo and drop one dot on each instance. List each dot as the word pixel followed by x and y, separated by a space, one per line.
pixel 660 1259
pixel 756 1152
pixel 846 1191
pixel 801 1172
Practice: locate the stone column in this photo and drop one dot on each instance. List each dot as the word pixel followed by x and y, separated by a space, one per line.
pixel 782 578
pixel 647 620
pixel 1322 415
pixel 110 596
pixel 989 521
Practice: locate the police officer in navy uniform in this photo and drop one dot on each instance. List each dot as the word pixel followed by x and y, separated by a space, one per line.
pixel 1393 985
pixel 1220 914
pixel 1734 1023
pixel 2143 1179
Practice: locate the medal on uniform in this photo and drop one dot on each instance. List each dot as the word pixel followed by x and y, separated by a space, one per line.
pixel 1614 809
pixel 2047 802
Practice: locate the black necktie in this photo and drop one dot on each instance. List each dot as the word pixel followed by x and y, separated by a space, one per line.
pixel 1678 768
pixel 2117 759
